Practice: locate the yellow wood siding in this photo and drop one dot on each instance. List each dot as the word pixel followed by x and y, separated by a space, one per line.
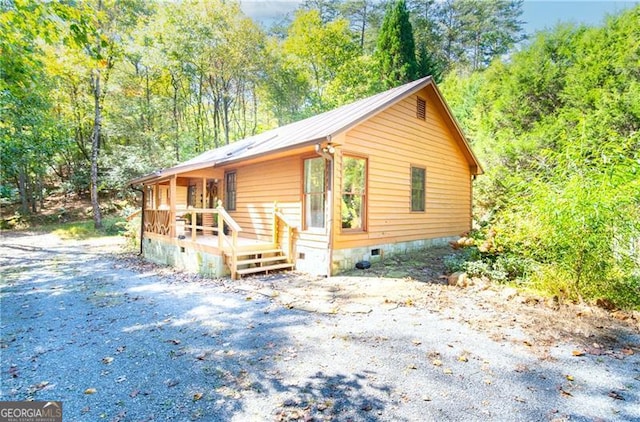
pixel 393 141
pixel 181 196
pixel 259 186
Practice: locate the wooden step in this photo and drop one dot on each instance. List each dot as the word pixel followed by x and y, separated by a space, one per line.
pixel 249 261
pixel 248 252
pixel 266 268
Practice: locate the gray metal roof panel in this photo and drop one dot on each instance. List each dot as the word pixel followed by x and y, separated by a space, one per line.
pixel 321 126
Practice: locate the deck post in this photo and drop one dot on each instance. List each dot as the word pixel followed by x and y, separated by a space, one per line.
pixel 274 234
pixel 220 227
pixel 194 219
pixel 234 255
pixel 173 193
pixel 204 203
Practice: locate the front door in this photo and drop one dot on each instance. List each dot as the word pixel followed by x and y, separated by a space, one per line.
pixel 212 193
pixel 315 193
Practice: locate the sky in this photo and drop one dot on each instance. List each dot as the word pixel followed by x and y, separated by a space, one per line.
pixel 541 14
pixel 538 14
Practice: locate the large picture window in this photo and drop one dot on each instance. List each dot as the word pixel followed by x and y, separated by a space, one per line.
pixel 418 183
pixel 354 177
pixel 314 192
pixel 230 190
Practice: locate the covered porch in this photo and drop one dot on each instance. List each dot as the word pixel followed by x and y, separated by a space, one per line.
pixel 210 241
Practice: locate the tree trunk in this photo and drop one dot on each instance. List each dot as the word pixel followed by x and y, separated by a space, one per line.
pixel 95 149
pixel 176 126
pixel 22 187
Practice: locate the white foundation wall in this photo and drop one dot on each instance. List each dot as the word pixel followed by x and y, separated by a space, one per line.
pixel 312 261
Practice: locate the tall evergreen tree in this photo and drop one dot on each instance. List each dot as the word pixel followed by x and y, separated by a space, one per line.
pixel 396 51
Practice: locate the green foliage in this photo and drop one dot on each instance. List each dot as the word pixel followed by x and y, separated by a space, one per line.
pixel 130 229
pixel 558 128
pixel 112 89
pixel 396 51
pixel 85 229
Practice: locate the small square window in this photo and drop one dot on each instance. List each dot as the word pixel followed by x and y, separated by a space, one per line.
pixel 421 109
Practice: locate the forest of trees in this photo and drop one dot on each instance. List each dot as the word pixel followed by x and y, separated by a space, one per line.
pixel 95 93
pixel 557 127
pixel 111 89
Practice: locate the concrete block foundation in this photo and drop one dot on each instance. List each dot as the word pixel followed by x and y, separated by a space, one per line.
pixel 345 259
pixel 184 258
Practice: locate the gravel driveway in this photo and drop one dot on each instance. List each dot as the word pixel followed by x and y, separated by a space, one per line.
pixel 120 344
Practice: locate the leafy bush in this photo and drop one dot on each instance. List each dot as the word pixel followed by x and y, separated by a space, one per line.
pixel 558 128
pixel 8 194
pixel 131 228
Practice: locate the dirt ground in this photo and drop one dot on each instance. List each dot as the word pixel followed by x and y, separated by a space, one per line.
pixel 391 343
pixel 419 280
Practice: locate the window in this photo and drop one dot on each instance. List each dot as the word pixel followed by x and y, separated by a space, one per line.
pixel 191 196
pixel 421 109
pixel 149 197
pixel 230 190
pixel 354 176
pixel 314 192
pixel 418 183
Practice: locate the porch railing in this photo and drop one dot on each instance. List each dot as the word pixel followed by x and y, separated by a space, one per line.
pixel 224 219
pixel 157 221
pixel 206 216
pixel 217 221
pixel 283 231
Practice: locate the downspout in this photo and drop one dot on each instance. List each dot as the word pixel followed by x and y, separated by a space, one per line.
pixel 141 216
pixel 327 154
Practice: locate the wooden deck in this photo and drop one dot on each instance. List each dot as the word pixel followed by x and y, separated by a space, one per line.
pixel 222 236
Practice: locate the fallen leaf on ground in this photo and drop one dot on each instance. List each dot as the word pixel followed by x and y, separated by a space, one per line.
pixel 577 353
pixel 615 395
pixel 565 393
pixel 569 377
pixel 39 386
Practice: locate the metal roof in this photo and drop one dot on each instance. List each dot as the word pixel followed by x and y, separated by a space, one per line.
pixel 308 131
